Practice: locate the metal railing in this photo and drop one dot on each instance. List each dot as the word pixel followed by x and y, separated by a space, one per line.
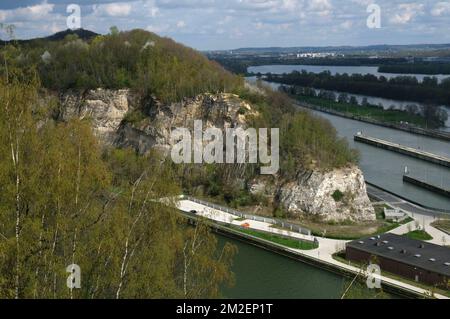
pixel 285 225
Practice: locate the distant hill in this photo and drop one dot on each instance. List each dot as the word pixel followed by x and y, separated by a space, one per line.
pixel 337 49
pixel 81 33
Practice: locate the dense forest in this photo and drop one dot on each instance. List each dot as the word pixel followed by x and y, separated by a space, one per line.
pixel 240 64
pixel 403 88
pixel 65 199
pixel 416 68
pixel 136 59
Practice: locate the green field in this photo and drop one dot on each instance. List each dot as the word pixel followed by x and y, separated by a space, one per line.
pixel 371 112
pixel 419 235
pixel 291 243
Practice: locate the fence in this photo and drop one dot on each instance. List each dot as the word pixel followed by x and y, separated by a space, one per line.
pixel 277 222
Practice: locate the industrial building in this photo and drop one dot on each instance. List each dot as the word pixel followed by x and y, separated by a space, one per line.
pixel 413 259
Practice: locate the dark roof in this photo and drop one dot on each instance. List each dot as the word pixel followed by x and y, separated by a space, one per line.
pixel 417 253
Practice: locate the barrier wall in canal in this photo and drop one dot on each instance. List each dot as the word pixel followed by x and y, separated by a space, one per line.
pixel 405 150
pixel 425 185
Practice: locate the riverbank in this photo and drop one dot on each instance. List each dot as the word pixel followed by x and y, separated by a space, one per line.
pixel 321 257
pixel 402 127
pixel 293 254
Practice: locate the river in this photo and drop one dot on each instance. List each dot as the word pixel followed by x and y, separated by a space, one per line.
pixel 280 69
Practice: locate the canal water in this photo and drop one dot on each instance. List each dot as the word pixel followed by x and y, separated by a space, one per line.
pixel 385 168
pixel 262 274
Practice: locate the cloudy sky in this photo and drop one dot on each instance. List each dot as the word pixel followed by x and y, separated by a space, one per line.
pixel 228 24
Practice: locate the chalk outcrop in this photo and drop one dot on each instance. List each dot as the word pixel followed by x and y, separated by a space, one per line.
pixel 106 109
pixel 337 195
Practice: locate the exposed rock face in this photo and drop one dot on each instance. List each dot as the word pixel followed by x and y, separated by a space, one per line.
pixel 310 193
pixel 106 109
pixel 338 195
pixel 215 110
pixel 129 137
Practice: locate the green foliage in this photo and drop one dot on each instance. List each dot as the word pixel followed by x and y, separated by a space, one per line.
pixel 242 111
pixel 338 195
pixel 136 59
pixel 416 68
pixel 280 213
pixel 374 112
pixel 63 202
pixel 310 142
pixel 134 117
pixel 284 241
pixel 306 141
pixel 419 235
pixel 402 88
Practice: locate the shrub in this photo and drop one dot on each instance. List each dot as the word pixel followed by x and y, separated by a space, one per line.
pixel 338 195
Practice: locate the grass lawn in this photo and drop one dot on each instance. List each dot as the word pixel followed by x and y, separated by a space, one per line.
pixel 379 210
pixel 349 231
pixel 375 113
pixel 291 243
pixel 419 235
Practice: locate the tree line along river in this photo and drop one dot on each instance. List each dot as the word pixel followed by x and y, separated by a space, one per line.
pixel 373 70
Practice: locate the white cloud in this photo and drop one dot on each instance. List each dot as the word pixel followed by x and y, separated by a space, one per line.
pixel 408 11
pixel 320 5
pixel 161 28
pixel 441 8
pixel 113 9
pixel 346 25
pixel 209 24
pixel 321 8
pixel 34 12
